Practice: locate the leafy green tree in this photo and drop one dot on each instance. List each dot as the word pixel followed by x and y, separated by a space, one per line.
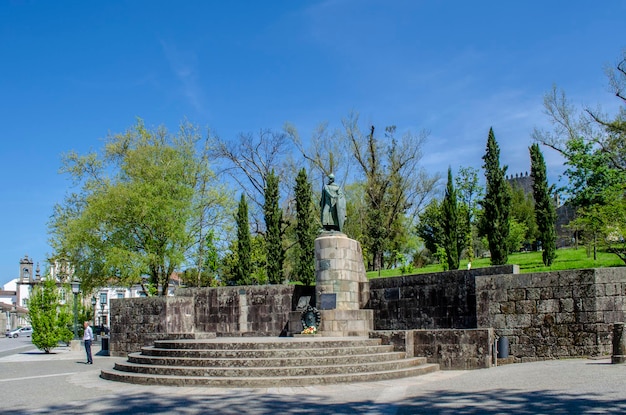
pixel 450 224
pixel 517 235
pixel 259 260
pixel 598 193
pixel 545 210
pixel 206 275
pixel 306 229
pixel 48 317
pixel 595 152
pixel 356 211
pixel 469 191
pixel 230 262
pixel 243 267
pixel 429 227
pixel 273 236
pixel 496 204
pixel 141 209
pixel 523 212
pixel 401 246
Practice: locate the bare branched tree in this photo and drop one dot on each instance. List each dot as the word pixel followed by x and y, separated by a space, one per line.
pixel 396 186
pixel 249 161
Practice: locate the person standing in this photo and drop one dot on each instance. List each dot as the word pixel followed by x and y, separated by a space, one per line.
pixel 88 338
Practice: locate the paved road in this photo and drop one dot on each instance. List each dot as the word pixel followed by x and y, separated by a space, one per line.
pixel 10 346
pixel 35 383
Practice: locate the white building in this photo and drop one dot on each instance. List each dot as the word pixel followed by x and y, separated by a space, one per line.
pixel 15 294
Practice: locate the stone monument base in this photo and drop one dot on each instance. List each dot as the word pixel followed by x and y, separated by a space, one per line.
pixel 337 323
pixel 341 282
pixel 342 288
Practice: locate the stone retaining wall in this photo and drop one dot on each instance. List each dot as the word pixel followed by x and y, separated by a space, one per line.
pixel 553 314
pixel 452 349
pixel 203 312
pixel 544 315
pixel 136 322
pixel 428 301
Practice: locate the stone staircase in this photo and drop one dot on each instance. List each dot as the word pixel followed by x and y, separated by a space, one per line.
pixel 266 362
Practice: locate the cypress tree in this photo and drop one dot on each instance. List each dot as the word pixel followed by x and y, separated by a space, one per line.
pixel 243 268
pixel 48 317
pixel 305 230
pixel 273 241
pixel 545 211
pixel 450 224
pixel 496 204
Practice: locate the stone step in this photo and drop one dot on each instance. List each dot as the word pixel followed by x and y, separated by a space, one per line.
pixel 239 361
pixel 236 343
pixel 266 353
pixel 266 382
pixel 270 371
pixel 200 335
pixel 265 362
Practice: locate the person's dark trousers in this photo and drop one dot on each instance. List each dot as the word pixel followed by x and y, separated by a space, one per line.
pixel 88 350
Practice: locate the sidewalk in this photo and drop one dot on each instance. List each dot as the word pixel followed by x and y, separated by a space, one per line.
pixel 33 382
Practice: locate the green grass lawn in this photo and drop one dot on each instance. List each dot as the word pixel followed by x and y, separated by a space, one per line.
pixel 569 258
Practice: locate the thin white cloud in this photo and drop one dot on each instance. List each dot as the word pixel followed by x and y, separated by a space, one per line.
pixel 184 65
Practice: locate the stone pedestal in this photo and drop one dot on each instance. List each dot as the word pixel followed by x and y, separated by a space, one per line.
pixel 337 323
pixel 619 344
pixel 339 270
pixel 342 288
pixel 75 345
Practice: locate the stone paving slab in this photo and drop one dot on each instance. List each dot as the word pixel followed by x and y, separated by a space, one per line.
pixel 60 383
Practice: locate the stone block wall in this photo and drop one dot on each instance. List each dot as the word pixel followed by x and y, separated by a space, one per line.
pixel 544 315
pixel 203 312
pixel 136 322
pixel 456 349
pixel 428 301
pixel 452 349
pixel 243 311
pixel 553 314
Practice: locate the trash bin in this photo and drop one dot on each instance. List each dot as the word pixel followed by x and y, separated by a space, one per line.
pixel 503 347
pixel 105 345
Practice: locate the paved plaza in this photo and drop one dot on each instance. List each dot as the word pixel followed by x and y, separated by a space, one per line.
pixel 32 382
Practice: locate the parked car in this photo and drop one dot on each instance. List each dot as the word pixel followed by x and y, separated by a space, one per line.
pixel 23 331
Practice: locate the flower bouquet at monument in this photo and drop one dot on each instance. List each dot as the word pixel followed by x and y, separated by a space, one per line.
pixel 309 330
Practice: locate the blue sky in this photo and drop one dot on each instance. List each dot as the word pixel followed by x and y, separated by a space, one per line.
pixel 74 71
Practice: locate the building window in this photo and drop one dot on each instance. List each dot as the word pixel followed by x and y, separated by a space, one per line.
pixel 62 295
pixel 120 295
pixel 103 298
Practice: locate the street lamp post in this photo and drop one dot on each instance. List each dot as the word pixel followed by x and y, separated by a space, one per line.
pixel 75 291
pixel 93 306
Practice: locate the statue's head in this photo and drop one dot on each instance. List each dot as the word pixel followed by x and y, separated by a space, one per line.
pixel 331 178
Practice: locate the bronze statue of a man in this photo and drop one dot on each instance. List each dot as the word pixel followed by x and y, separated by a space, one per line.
pixel 333 206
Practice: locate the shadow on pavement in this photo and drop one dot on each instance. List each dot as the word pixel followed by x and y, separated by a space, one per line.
pixel 436 403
